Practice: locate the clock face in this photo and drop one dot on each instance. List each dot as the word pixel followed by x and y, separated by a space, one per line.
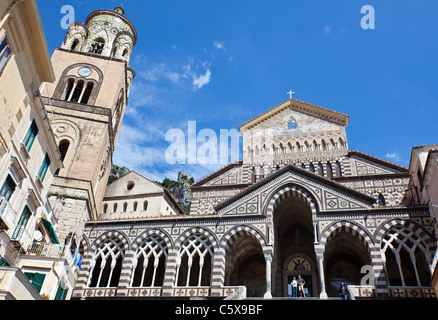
pixel 298 264
pixel 84 72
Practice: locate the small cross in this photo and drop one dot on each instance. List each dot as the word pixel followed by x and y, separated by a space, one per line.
pixel 290 93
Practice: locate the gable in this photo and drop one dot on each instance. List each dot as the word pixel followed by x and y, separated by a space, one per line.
pixel 301 110
pixel 130 185
pixel 364 164
pixel 328 195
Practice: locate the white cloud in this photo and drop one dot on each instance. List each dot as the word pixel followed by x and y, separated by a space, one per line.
pixel 394 156
pixel 219 45
pixel 327 29
pixel 202 80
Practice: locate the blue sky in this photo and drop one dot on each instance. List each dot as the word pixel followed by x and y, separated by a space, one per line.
pixel 221 63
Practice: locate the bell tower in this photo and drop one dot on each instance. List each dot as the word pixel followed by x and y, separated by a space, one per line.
pixel 86 105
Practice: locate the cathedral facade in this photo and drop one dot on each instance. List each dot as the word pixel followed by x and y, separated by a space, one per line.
pixel 298 203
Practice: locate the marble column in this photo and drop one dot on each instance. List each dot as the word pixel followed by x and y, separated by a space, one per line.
pixel 319 250
pixel 268 293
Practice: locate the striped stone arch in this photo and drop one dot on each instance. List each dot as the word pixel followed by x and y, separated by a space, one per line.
pixel 144 235
pixel 188 232
pixel 290 190
pixel 108 235
pixel 346 226
pixel 239 231
pixel 85 242
pixel 409 225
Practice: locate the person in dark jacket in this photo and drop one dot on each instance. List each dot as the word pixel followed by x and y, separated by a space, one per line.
pixel 343 291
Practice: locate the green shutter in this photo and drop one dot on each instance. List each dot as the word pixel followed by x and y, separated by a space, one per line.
pixel 30 135
pixel 61 293
pixel 44 166
pixel 37 280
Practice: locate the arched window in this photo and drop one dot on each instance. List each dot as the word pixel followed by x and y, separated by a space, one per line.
pixel 329 170
pixel 341 144
pixel 134 206
pixel 63 148
pixel 253 175
pixel 323 146
pixel 87 93
pixel 69 89
pixel 320 169
pixel 145 205
pixel 125 207
pixel 262 173
pixel 338 170
pixel 74 44
pixel 125 53
pixel 381 200
pixel 77 93
pixel 97 46
pixel 149 263
pixel 312 168
pixel 105 208
pixel 194 261
pixel 289 148
pixel 298 147
pixel 315 146
pixel 407 258
pixel 114 207
pixel 106 265
pixel 307 147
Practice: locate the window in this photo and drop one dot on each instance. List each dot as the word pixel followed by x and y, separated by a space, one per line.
pixel 74 44
pixel 329 170
pixel 30 135
pixel 37 279
pixel 114 207
pixel 194 261
pixel 312 168
pixel 125 207
pixel 320 169
pixel 97 46
pixel 8 188
pixel 145 205
pixel 5 53
pixel 150 263
pixel 107 264
pixel 63 148
pixel 44 166
pixel 61 293
pixel 79 92
pixel 105 208
pixel 134 206
pixel 338 169
pixel 22 222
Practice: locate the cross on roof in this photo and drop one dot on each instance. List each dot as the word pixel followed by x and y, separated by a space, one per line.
pixel 290 93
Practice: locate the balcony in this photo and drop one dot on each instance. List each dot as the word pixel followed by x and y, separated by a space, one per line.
pixel 21 236
pixel 7 214
pixel 15 286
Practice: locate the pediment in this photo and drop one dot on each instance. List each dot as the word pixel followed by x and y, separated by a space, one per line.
pixel 299 116
pixel 328 196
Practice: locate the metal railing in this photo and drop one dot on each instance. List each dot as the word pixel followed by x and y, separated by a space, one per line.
pixel 7 213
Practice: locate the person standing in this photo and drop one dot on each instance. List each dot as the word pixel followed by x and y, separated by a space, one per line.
pixel 294 285
pixel 301 284
pixel 343 292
